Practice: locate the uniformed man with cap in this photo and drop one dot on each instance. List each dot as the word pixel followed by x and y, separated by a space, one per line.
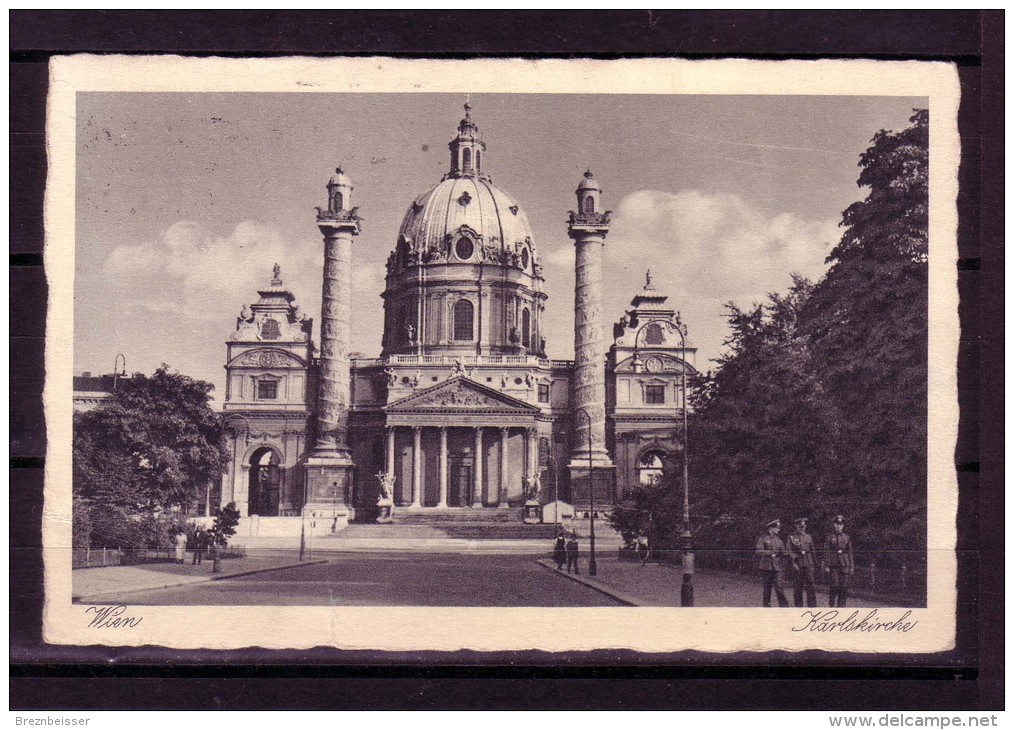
pixel 838 562
pixel 771 554
pixel 803 563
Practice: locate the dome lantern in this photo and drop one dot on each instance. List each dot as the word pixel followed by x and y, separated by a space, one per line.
pixel 467 148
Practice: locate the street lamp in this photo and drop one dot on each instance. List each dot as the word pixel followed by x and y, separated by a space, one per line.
pixel 556 490
pixel 592 565
pixel 116 373
pixel 678 327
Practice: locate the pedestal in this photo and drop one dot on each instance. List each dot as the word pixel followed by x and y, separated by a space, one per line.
pixel 328 487
pixel 602 480
pixel 533 512
pixel 385 511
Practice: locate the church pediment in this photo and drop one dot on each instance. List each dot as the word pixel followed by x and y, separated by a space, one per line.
pixel 460 394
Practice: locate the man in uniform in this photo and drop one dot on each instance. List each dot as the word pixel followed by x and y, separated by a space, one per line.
pixel 804 565
pixel 771 552
pixel 839 562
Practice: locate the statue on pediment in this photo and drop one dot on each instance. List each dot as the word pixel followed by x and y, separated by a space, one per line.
pixel 392 377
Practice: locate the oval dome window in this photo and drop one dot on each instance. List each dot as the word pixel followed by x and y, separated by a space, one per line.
pixel 524 258
pixel 463 248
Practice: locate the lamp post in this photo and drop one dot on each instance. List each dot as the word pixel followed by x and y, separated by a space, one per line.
pixel 678 327
pixel 116 373
pixel 592 565
pixel 556 490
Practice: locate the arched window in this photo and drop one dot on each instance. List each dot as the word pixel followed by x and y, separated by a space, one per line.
pixel 589 204
pixel 463 311
pixel 338 202
pixel 653 335
pixel 478 161
pixel 650 468
pixel 466 159
pixel 526 328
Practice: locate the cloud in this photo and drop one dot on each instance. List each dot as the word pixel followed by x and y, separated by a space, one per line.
pixel 703 250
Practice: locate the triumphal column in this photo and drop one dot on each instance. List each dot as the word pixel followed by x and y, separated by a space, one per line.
pixel 589 461
pixel 329 468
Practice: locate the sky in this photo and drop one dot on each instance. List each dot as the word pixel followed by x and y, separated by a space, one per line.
pixel 185 201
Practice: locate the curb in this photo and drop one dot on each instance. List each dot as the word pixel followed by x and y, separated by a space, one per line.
pixel 593 584
pixel 92 596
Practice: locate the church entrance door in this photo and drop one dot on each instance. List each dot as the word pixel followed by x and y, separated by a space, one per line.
pixel 265 482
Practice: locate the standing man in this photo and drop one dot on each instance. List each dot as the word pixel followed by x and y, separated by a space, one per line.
pixel 572 553
pixel 839 562
pixel 771 552
pixel 804 565
pixel 200 544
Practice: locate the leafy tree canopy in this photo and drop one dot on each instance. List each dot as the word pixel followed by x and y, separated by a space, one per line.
pixel 154 445
pixel 818 406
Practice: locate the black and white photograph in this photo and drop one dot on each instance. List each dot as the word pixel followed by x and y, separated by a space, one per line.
pixel 444 354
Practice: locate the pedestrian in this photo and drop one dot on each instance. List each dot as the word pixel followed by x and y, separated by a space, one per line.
pixel 181 547
pixel 804 565
pixel 199 546
pixel 560 551
pixel 771 552
pixel 839 563
pixel 572 554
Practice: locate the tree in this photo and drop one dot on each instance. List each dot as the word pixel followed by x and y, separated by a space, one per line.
pixel 762 433
pixel 866 323
pixel 225 523
pixel 650 513
pixel 154 447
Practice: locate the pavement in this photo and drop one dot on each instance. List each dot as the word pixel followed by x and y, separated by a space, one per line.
pixel 659 584
pixel 90 585
pixel 373 579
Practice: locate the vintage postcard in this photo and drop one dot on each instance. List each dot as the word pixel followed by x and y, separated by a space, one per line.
pixel 501 354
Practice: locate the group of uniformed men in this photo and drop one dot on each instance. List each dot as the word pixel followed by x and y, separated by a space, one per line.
pixel 799 557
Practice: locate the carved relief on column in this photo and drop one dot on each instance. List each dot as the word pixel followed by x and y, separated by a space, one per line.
pixel 333 387
pixel 589 368
pixel 477 490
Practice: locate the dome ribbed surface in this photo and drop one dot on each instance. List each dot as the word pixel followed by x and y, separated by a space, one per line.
pixel 465 201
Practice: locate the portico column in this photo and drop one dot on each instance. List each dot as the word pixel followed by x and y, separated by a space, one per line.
pixel 417 466
pixel 390 452
pixel 532 441
pixel 502 499
pixel 477 495
pixel 443 467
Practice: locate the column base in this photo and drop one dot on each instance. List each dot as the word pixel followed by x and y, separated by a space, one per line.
pixel 601 477
pixel 328 489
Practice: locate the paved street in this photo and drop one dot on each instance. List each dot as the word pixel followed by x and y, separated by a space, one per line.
pixel 389 579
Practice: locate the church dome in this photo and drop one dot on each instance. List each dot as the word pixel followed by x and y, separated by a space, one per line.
pixel 464 277
pixel 470 206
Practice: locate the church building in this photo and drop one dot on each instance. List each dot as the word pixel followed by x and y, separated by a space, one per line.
pixel 463 413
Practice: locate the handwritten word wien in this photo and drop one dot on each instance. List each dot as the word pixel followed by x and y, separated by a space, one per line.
pixel 827 621
pixel 111 617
